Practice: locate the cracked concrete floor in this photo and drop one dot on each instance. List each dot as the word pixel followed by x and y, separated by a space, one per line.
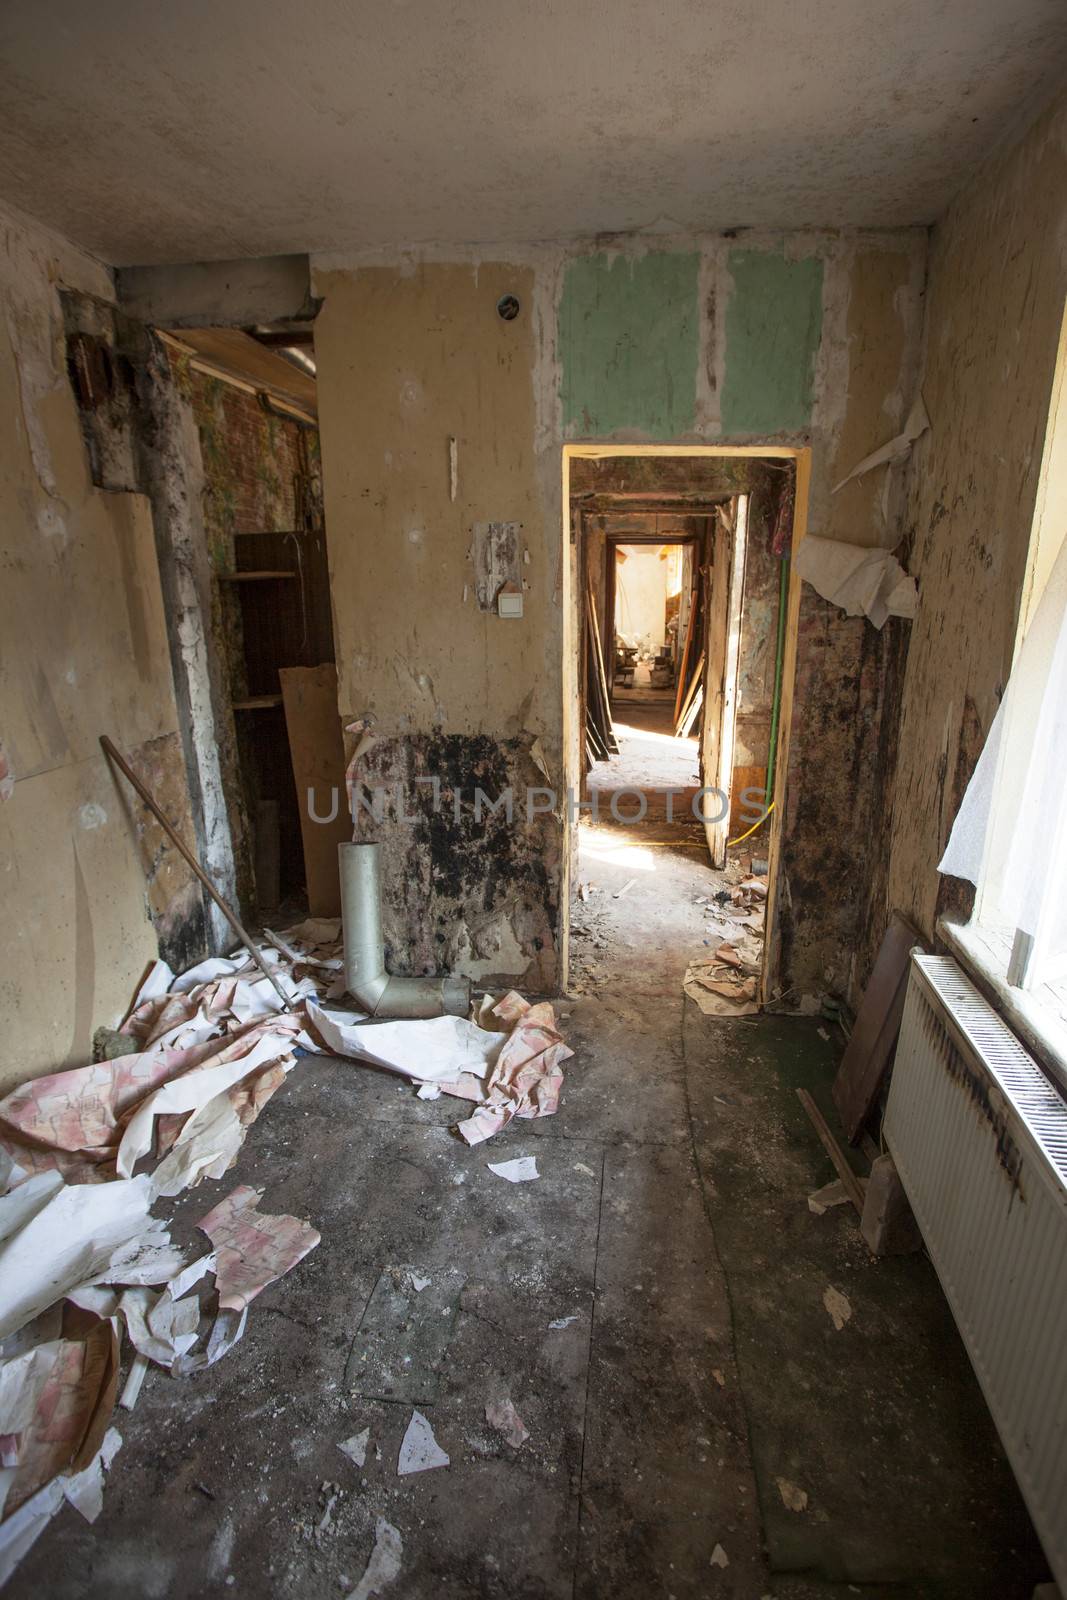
pixel 697 1365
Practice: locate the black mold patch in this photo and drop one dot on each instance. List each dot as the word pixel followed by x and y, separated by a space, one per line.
pixel 454 872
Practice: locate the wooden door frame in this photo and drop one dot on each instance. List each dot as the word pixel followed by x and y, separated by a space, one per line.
pixel 802 456
pixel 722 644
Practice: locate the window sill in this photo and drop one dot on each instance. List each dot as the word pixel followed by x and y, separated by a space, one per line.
pixel 1035 1016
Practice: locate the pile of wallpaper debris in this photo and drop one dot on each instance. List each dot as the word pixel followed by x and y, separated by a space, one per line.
pixel 725 982
pixel 84 1263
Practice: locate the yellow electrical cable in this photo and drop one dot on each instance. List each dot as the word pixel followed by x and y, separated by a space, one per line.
pixel 742 837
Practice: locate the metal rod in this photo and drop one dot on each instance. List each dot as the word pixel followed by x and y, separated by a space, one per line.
pixel 175 838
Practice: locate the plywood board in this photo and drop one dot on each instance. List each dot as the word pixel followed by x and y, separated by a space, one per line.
pixel 317 750
pixel 872 1043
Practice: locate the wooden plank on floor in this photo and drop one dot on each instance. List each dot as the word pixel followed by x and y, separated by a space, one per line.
pixel 852 1182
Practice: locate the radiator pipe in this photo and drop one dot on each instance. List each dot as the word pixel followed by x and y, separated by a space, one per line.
pixel 376 991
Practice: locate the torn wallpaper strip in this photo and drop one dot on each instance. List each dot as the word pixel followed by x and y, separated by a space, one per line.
pixel 916 424
pixel 253 1248
pixel 858 579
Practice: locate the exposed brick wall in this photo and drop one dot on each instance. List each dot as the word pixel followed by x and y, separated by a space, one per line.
pixel 253 460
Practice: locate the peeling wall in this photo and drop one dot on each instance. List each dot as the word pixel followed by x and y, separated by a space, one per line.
pixel 997 288
pixel 260 475
pixel 808 338
pixel 87 884
pixel 408 360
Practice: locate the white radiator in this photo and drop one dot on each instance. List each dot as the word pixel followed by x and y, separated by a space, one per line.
pixel 979 1138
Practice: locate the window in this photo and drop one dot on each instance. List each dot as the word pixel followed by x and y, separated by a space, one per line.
pixel 1010 837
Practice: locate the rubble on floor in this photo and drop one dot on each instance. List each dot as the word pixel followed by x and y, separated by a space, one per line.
pixel 83 1261
pixel 725 982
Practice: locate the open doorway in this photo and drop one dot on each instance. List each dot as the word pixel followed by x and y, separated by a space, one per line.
pixel 681 657
pixel 269 644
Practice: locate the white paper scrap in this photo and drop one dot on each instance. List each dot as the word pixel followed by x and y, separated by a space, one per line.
pixel 563 1322
pixel 190 1092
pixel 858 578
pixel 228 1327
pixel 23 1203
pixel 419 1284
pixel 85 1490
pixel 21 1530
pixel 70 1241
pixel 384 1564
pixel 356 1447
pixel 419 1451
pixel 433 1049
pixel 522 1170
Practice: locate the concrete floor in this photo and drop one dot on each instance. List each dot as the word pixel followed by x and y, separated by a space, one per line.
pixel 650 758
pixel 670 1222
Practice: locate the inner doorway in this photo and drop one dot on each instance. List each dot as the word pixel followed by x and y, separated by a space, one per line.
pixel 682 611
pixel 649 585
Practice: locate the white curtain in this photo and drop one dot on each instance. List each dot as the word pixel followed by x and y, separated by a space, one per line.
pixel 1010 836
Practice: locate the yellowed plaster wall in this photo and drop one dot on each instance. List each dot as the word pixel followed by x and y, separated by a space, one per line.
pixel 881 371
pixel 997 285
pixel 84 653
pixel 408 359
pixel 412 352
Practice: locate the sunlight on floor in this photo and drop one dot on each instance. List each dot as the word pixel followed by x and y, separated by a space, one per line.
pixel 621 855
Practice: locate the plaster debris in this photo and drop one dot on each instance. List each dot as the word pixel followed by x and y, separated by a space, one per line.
pixel 580 1166
pixel 719 1558
pixel 831 1194
pixel 838 1306
pixel 563 1322
pixel 501 1415
pixel 522 1170
pixel 419 1284
pixel 384 1565
pixel 719 989
pixel 793 1499
pixel 356 1447
pixel 419 1451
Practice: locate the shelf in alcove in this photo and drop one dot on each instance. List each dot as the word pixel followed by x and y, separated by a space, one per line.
pixel 257 702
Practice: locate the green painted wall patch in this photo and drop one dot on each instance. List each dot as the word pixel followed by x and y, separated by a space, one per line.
pixel 773 327
pixel 629 334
